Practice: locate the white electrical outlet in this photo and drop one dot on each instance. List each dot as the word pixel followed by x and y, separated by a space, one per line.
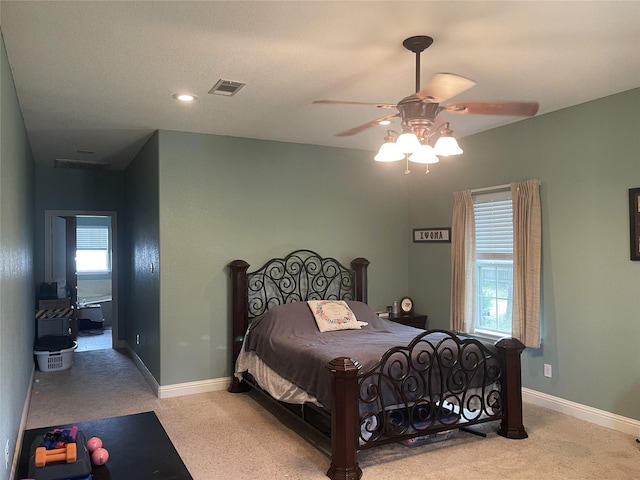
pixel 6 455
pixel 547 370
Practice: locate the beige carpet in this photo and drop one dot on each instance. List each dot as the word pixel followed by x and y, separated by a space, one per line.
pixel 234 436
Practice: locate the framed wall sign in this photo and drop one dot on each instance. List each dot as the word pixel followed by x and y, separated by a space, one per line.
pixel 432 235
pixel 634 222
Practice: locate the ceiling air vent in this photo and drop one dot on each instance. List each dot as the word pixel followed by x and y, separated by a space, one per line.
pixel 226 87
pixel 84 164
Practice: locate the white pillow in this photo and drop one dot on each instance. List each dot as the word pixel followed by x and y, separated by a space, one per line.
pixel 333 315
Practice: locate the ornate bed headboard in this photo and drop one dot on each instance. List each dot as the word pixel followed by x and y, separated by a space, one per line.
pixel 300 276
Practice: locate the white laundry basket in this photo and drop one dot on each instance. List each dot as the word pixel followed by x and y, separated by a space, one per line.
pixel 53 361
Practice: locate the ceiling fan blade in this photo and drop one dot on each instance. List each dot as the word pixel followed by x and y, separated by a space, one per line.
pixel 364 126
pixel 516 109
pixel 344 102
pixel 443 86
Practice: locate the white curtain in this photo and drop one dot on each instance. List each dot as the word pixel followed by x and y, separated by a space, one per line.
pixel 463 257
pixel 526 261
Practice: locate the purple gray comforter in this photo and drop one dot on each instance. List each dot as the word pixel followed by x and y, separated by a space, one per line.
pixel 287 339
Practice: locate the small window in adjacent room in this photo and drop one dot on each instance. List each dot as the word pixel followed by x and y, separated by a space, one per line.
pixel 92 249
pixel 494 262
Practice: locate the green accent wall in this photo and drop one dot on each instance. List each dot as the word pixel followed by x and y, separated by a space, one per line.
pixel 141 328
pixel 17 288
pixel 83 190
pixel 73 189
pixel 586 158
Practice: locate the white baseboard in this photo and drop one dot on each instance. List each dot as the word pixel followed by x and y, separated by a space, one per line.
pixel 153 383
pixel 23 425
pixel 583 412
pixel 178 389
pixel 567 407
pixel 190 388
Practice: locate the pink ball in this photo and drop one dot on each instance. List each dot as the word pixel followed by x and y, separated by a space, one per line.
pixel 93 444
pixel 100 456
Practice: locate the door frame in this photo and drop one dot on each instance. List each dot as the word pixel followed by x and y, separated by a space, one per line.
pixel 48 257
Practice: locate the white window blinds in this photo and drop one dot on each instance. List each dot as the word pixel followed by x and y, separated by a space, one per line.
pixel 92 238
pixel 494 225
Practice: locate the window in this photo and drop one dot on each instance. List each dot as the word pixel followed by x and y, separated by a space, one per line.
pixel 493 216
pixel 495 261
pixel 92 249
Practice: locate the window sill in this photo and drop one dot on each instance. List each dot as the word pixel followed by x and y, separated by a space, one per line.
pixel 484 335
pixel 94 275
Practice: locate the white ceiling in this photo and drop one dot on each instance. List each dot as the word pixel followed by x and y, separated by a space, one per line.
pixel 100 76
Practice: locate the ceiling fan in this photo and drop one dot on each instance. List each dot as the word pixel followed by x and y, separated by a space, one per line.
pixel 418 111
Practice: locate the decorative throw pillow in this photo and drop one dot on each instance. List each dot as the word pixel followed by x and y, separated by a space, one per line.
pixel 333 315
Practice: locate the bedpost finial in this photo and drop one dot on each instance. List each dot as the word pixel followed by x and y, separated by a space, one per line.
pixel 238 265
pixel 510 343
pixel 360 261
pixel 343 364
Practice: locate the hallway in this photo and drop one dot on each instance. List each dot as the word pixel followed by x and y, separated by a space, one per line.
pixel 94 340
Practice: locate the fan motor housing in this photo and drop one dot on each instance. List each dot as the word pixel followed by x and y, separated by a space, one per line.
pixel 415 111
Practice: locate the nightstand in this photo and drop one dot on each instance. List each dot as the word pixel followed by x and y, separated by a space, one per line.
pixel 412 320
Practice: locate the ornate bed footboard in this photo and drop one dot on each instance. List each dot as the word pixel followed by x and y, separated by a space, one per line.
pixel 433 383
pixel 438 382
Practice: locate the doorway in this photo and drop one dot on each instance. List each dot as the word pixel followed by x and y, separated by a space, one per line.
pixel 80 256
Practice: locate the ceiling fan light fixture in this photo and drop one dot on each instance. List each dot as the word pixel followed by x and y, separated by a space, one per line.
pixel 408 141
pixel 419 112
pixel 447 146
pixel 389 151
pixel 424 154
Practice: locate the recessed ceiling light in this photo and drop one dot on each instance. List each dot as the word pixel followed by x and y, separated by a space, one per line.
pixel 384 122
pixel 184 97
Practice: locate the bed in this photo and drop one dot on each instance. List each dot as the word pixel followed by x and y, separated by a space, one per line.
pixel 367 381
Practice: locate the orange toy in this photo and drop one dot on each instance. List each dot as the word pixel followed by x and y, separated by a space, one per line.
pixel 67 453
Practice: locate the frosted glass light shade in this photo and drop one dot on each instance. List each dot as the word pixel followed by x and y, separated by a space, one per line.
pixel 408 142
pixel 446 146
pixel 424 154
pixel 389 152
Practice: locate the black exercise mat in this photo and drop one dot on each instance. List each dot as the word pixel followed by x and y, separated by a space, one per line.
pixel 139 449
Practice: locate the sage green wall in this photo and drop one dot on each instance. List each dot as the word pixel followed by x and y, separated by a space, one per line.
pixel 141 272
pixel 17 325
pixel 224 198
pixel 586 158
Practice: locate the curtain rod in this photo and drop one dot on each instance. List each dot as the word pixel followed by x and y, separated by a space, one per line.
pixel 486 189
